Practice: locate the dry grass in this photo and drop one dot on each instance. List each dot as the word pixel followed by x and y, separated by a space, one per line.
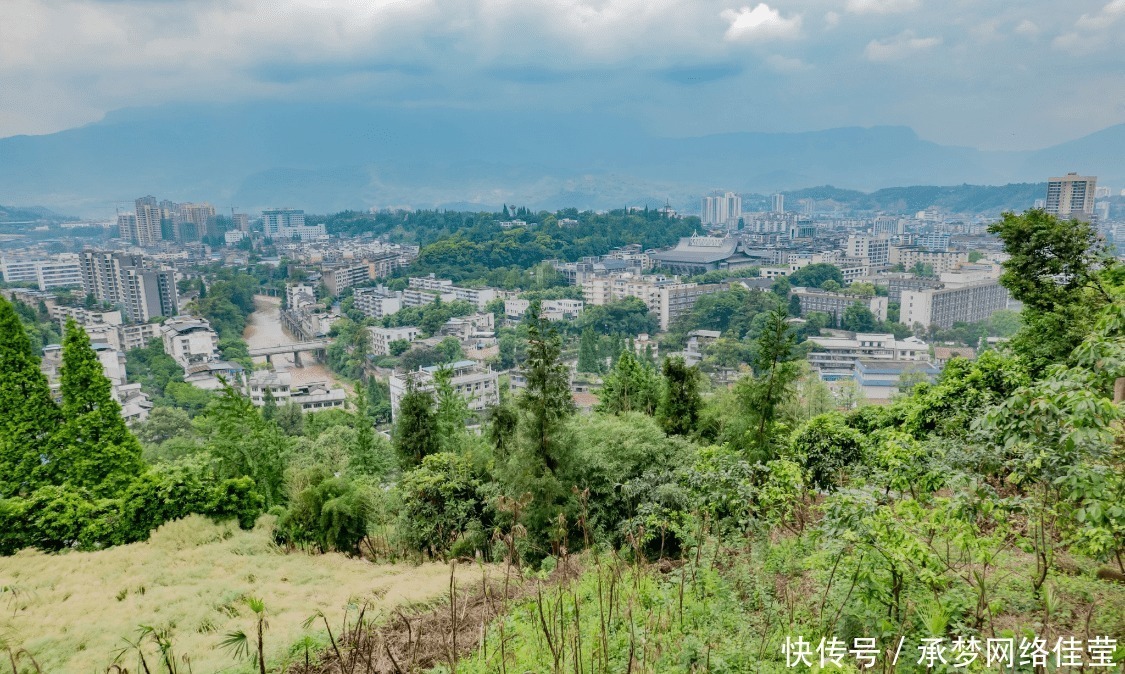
pixel 71 611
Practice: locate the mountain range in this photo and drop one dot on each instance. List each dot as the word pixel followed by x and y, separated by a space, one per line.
pixel 324 158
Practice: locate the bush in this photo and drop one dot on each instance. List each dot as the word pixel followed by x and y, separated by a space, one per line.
pixel 444 506
pixel 824 447
pixel 330 513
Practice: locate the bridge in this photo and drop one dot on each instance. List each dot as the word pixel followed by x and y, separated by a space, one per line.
pixel 297 348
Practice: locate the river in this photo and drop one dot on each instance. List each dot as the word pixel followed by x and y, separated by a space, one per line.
pixel 263 329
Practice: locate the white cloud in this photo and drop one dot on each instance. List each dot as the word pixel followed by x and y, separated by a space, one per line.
pixel 1092 31
pixel 881 6
pixel 1027 27
pixel 785 64
pixel 761 22
pixel 898 47
pixel 831 20
pixel 1108 16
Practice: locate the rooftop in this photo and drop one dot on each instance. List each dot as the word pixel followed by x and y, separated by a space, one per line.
pixel 699 249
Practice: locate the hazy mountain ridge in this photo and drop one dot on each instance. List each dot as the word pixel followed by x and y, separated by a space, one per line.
pixel 330 157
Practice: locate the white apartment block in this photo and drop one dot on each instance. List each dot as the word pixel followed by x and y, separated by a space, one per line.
pixel 942 307
pixel 189 340
pixel 381 338
pixel 874 249
pixel 835 358
pixel 835 304
pixel 298 295
pixel 345 276
pixel 275 219
pixel 376 302
pixel 418 297
pixel 302 232
pixel 478 384
pixel 552 310
pixel 941 261
pixel 62 271
pixel 478 297
pixel 667 298
pixel 430 283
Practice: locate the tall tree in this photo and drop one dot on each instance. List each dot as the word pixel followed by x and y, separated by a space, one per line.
pixel 679 401
pixel 28 415
pixel 761 396
pixel 415 435
pixel 246 445
pixel 452 411
pixel 1054 268
pixel 546 400
pixel 588 352
pixel 632 386
pixel 98 452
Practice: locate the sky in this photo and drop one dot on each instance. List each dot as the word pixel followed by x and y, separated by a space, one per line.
pixel 992 74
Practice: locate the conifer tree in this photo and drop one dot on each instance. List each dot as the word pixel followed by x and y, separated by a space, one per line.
pixel 631 386
pixel 547 399
pixel 28 415
pixel 246 445
pixel 451 413
pixel 269 405
pixel 416 427
pixel 588 352
pixel 97 452
pixel 679 401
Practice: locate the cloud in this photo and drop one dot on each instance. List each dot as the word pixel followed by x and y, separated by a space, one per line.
pixel 760 23
pixel 1027 27
pixel 898 47
pixel 1092 30
pixel 1108 16
pixel 785 64
pixel 831 20
pixel 881 6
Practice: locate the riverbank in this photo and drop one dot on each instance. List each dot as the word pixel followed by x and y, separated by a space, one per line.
pixel 264 329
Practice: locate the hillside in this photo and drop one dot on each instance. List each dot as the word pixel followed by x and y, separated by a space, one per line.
pixel 953 199
pixel 326 158
pixel 74 611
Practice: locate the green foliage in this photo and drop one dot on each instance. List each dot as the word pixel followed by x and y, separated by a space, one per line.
pixel 330 513
pixel 588 360
pixel 246 445
pixel 679 398
pixel 98 452
pixel 415 435
pixel 627 317
pixel 153 369
pixel 631 386
pixel 816 275
pixel 859 318
pixel 445 507
pixel 826 447
pixel 28 415
pixel 762 397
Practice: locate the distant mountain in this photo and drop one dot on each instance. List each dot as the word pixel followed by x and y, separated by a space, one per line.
pixel 12 214
pixel 954 199
pixel 330 157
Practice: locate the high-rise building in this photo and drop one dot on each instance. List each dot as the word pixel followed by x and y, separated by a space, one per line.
pixel 149 219
pixel 193 221
pixel 240 221
pixel 275 219
pixel 1072 196
pixel 724 211
pixel 777 203
pixel 120 279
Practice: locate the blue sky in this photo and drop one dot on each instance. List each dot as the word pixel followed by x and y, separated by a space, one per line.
pixel 996 74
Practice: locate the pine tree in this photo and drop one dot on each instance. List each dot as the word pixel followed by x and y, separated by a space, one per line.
pixel 761 397
pixel 452 411
pixel 364 456
pixel 679 401
pixel 269 405
pixel 415 434
pixel 503 423
pixel 588 352
pixel 28 415
pixel 98 452
pixel 631 386
pixel 246 445
pixel 547 399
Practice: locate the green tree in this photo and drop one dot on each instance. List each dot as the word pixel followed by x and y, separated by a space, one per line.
pixel 762 396
pixel 859 318
pixel 825 447
pixel 246 445
pixel 546 400
pixel 99 453
pixel 680 401
pixel 452 411
pixel 415 434
pixel 631 386
pixel 588 352
pixel 28 415
pixel 816 275
pixel 1054 268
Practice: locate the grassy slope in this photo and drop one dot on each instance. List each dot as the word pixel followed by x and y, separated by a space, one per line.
pixel 72 610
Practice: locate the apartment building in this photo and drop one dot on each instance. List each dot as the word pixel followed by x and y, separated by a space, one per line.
pixel 189 340
pixel 940 261
pixel 340 277
pixel 381 338
pixel 835 304
pixel 275 219
pixel 376 302
pixel 874 250
pixel 958 302
pixel 61 271
pixel 552 310
pixel 478 384
pixel 665 297
pixel 120 279
pixel 836 358
pixel 1072 196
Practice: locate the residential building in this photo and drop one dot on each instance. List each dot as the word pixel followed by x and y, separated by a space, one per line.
pixel 381 338
pixel 136 336
pixel 189 340
pixel 944 354
pixel 777 203
pixel 377 302
pixel 275 219
pixel 120 279
pixel 241 221
pixel 149 222
pixel 1072 196
pixel 955 303
pixel 302 232
pixel 19 269
pixel 836 303
pixel 263 383
pixel 875 250
pixel 888 225
pixel 933 241
pixel 192 222
pixel 722 211
pixel 836 358
pixel 135 405
pixel 478 384
pixel 418 297
pixel 298 295
pixel 552 310
pixel 665 297
pixel 211 375
pixel 62 271
pixel 338 278
pixel 478 297
pixel 940 261
pixel 896 282
pixel 880 379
